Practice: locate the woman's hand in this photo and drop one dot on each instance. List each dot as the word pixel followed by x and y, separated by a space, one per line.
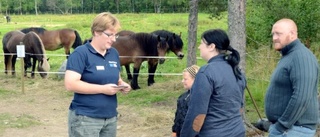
pixel 125 87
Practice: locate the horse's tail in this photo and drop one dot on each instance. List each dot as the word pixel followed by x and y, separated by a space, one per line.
pixel 77 42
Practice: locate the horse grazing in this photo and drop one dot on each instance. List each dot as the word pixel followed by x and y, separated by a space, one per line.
pixel 56 39
pixel 174 41
pixel 136 48
pixel 33 47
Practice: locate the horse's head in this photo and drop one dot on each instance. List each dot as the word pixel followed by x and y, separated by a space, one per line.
pixel 162 48
pixel 44 67
pixel 176 45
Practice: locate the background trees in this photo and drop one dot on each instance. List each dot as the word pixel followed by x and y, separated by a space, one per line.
pixel 261 14
pixel 114 6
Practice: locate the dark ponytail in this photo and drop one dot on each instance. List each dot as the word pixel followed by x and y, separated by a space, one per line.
pixel 222 43
pixel 233 59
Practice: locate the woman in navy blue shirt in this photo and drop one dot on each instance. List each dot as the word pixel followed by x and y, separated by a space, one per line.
pixel 93 74
pixel 217 92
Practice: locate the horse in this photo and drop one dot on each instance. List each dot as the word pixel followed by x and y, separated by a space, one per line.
pixel 174 41
pixel 34 49
pixel 175 45
pixel 8 18
pixel 56 39
pixel 125 33
pixel 140 46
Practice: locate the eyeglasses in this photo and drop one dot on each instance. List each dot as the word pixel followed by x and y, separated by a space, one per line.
pixel 110 35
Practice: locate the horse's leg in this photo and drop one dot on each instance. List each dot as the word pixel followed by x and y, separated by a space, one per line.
pixel 34 62
pixel 27 64
pixel 129 76
pixel 134 81
pixel 27 61
pixel 25 67
pixel 7 63
pixel 13 63
pixel 152 67
pixel 67 51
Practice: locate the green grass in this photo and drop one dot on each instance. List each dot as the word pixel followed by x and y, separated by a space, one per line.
pixel 19 121
pixel 6 93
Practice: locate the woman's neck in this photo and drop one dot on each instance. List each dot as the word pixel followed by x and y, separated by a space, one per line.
pixel 97 47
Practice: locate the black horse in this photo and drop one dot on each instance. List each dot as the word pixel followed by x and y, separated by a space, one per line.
pixel 174 41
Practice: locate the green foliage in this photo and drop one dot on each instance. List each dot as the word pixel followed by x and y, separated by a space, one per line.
pixel 214 7
pixel 261 14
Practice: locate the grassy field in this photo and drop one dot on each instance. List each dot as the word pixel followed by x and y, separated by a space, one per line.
pixel 259 62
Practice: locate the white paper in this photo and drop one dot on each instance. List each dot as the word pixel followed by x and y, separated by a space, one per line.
pixel 20 51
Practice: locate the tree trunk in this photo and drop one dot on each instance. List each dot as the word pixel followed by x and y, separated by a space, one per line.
pixel 117 3
pixel 35 7
pixel 20 8
pixel 82 6
pixel 237 28
pixel 132 5
pixel 192 32
pixel 0 7
pixel 237 35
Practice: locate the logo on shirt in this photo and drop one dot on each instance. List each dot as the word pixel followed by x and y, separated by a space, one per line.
pixel 113 64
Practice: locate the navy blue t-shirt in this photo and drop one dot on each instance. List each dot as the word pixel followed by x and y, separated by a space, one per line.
pixel 97 69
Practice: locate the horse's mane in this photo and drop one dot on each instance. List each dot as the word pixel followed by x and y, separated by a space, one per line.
pixel 171 36
pixel 38 30
pixel 32 39
pixel 148 42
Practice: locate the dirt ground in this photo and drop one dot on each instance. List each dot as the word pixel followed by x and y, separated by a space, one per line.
pixel 48 102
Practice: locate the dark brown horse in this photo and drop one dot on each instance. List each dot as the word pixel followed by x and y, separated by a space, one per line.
pixel 125 33
pixel 33 47
pixel 138 47
pixel 175 45
pixel 56 39
pixel 174 41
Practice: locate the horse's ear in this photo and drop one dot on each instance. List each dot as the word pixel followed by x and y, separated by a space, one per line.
pixel 180 34
pixel 174 35
pixel 48 59
pixel 159 38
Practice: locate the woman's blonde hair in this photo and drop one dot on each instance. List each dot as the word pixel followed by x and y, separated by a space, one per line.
pixel 192 70
pixel 103 21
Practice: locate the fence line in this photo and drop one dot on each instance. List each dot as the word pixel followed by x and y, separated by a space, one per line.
pixel 156 74
pixel 52 72
pixel 162 74
pixel 166 57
